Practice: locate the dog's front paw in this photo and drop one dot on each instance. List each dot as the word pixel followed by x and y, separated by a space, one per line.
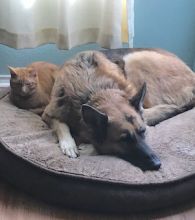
pixel 70 149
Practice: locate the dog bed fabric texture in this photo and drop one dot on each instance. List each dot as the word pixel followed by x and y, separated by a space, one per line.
pixel 31 159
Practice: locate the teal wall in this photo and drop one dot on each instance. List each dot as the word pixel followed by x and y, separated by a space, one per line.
pixel 168 24
pixel 49 53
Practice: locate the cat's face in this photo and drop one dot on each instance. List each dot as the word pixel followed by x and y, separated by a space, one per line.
pixel 23 81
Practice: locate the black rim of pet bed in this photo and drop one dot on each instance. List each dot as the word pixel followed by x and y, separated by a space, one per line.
pixel 89 193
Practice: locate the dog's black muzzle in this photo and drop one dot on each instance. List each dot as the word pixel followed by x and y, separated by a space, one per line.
pixel 143 157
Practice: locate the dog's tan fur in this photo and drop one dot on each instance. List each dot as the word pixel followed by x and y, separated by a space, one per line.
pixel 93 79
pixel 93 98
pixel 170 83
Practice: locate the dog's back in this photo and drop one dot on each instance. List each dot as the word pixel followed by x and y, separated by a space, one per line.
pixel 169 80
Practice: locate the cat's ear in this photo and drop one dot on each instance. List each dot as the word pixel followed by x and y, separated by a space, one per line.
pixel 12 72
pixel 33 72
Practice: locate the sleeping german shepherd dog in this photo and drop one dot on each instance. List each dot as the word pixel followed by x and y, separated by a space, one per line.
pixel 101 98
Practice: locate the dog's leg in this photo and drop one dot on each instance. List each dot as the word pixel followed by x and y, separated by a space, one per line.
pixel 66 141
pixel 158 113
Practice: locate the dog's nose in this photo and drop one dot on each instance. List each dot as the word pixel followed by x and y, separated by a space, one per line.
pixel 155 163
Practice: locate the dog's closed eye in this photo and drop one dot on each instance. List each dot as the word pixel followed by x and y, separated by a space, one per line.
pixel 141 131
pixel 129 118
pixel 125 137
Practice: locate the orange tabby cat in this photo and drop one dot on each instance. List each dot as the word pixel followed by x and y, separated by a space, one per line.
pixel 31 86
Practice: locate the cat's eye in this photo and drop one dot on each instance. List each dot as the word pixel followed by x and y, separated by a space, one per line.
pixel 29 83
pixel 18 82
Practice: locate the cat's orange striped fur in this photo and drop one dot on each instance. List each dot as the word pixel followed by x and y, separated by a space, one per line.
pixel 31 86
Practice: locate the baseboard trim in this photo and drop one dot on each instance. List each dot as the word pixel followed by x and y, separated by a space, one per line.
pixel 2 85
pixel 4 80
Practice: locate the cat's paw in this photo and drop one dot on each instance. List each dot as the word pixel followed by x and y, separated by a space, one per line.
pixel 69 148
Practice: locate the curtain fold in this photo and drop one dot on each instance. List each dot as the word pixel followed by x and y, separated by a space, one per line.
pixel 68 23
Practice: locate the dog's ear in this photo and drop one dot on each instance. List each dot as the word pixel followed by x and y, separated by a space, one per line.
pixel 138 100
pixel 96 120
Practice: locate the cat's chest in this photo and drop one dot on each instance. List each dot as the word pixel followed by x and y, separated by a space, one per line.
pixel 34 101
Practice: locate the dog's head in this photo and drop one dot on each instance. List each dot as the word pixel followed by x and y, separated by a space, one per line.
pixel 118 128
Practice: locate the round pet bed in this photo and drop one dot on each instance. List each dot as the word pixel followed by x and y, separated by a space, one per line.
pixel 31 160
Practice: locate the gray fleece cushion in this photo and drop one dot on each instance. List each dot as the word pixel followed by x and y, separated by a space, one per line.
pixel 31 159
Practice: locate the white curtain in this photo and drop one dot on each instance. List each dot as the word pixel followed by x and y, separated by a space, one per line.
pixel 68 23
